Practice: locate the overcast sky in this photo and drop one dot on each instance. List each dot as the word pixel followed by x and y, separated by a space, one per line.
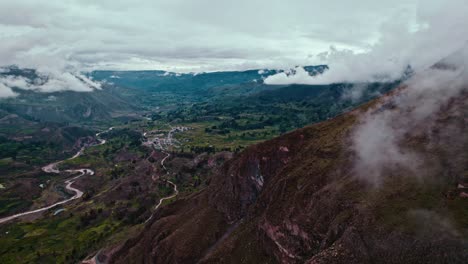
pixel 356 38
pixel 191 35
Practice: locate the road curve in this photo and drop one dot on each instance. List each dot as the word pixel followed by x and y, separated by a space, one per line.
pixel 176 192
pixel 69 182
pixel 95 258
pixel 52 168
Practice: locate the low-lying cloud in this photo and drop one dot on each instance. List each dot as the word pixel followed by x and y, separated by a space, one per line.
pixel 432 224
pixel 46 83
pixel 438 30
pixel 61 38
pixel 437 36
pixel 6 91
pixel 379 139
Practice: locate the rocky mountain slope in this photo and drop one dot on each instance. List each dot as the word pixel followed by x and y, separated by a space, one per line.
pixel 385 183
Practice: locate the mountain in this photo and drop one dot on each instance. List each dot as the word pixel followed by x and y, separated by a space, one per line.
pixel 124 93
pixel 233 103
pixel 203 85
pixel 130 94
pixel 305 197
pixel 62 106
pixel 198 82
pixel 383 183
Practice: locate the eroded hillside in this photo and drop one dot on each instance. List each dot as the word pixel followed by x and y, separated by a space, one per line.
pixel 308 196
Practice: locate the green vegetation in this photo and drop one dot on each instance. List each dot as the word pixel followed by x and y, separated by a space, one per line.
pixel 10 204
pixel 225 111
pixel 102 156
pixel 70 236
pixel 31 153
pixel 60 239
pixel 232 122
pixel 22 153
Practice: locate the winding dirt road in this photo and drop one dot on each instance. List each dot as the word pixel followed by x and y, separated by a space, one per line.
pixel 52 168
pixel 152 143
pixel 168 142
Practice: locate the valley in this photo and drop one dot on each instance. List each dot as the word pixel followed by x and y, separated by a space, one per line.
pixel 223 157
pixel 52 168
pixel 234 132
pixel 81 193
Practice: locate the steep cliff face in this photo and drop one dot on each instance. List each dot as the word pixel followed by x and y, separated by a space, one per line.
pixel 301 198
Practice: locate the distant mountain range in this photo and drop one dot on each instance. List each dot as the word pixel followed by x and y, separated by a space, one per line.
pixel 127 92
pixel 130 94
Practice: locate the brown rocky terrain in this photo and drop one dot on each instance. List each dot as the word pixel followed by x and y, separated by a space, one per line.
pixel 302 198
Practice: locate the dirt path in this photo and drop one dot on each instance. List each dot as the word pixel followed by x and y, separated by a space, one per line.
pixel 168 142
pixel 52 168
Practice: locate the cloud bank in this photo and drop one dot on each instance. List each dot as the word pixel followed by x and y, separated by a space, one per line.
pixel 437 30
pixel 370 40
pixel 186 36
pixel 63 38
pixel 379 139
pixel 47 82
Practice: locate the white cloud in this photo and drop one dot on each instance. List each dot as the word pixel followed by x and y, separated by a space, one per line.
pixel 185 35
pixel 356 92
pixel 6 91
pixel 372 38
pixel 438 29
pixel 48 82
pixel 296 75
pixel 12 81
pixel 379 140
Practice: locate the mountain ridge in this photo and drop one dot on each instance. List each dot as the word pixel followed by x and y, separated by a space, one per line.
pixel 296 197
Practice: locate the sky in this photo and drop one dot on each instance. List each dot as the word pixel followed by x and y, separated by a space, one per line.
pixel 188 35
pixel 360 40
pixel 435 30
